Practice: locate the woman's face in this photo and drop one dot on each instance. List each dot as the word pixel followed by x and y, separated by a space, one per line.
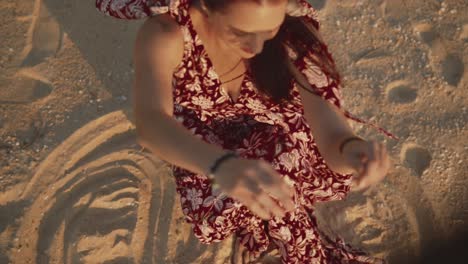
pixel 246 25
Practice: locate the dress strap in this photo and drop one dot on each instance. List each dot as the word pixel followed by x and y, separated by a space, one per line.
pixel 357 119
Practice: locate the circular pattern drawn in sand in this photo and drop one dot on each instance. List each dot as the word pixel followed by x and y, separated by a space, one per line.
pixel 25 88
pixel 44 37
pixel 98 198
pixel 378 221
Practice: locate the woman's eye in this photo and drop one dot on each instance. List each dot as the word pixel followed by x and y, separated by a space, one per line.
pixel 240 34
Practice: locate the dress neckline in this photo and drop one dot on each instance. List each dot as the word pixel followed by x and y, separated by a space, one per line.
pixel 211 67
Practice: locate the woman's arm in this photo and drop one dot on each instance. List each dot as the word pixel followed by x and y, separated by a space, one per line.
pixel 158 51
pixel 367 160
pixel 328 125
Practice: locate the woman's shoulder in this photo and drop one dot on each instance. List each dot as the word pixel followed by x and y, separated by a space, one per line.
pixel 162 37
pixel 164 26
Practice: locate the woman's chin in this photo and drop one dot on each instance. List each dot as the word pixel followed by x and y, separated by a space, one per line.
pixel 247 55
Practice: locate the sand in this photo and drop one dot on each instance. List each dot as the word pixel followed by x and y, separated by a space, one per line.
pixel 76 188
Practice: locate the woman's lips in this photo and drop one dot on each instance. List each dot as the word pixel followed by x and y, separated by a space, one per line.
pixel 247 50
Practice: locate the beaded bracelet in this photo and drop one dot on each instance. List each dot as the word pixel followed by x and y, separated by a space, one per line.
pixel 348 140
pixel 214 167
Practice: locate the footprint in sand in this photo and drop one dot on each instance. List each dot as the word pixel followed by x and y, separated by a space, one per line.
pixel 400 92
pixel 394 11
pixel 44 37
pixel 372 57
pixel 415 157
pixel 449 65
pixel 98 198
pixel 452 69
pixel 25 87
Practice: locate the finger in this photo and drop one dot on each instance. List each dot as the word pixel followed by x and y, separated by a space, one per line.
pixel 388 161
pixel 356 186
pixel 363 157
pixel 257 209
pixel 370 152
pixel 385 164
pixel 249 257
pixel 381 154
pixel 383 160
pixel 377 151
pixel 377 170
pixel 374 156
pixel 356 176
pixel 362 181
pixel 374 173
pixel 362 165
pixel 264 200
pixel 281 190
pixel 268 202
pixel 354 183
pixel 237 254
pixel 357 161
pixel 285 195
pixel 373 151
pixel 245 256
pixel 363 170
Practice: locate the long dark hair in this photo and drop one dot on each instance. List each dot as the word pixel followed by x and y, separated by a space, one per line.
pixel 270 71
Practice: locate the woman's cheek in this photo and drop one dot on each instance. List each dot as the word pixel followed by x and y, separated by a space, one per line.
pixel 233 41
pixel 230 37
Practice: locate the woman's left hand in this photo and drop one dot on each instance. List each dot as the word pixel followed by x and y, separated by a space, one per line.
pixel 370 161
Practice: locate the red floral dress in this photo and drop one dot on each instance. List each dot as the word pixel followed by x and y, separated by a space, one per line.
pixel 257 129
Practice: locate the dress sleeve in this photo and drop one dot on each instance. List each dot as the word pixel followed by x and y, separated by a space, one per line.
pixel 126 9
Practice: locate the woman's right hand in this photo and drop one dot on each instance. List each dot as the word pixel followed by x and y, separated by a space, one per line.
pixel 251 182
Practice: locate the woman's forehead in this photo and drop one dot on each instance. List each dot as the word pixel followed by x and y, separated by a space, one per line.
pixel 249 16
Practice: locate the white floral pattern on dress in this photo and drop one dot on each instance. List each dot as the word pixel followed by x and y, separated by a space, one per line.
pixel 285 233
pixel 315 75
pixel 290 161
pixel 255 105
pixel 203 101
pixel 301 136
pixel 194 196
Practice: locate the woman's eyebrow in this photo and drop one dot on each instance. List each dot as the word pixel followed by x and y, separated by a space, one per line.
pixel 242 31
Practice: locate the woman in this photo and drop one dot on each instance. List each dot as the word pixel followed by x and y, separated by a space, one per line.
pixel 254 81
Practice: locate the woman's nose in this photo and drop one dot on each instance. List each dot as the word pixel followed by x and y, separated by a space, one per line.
pixel 256 44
